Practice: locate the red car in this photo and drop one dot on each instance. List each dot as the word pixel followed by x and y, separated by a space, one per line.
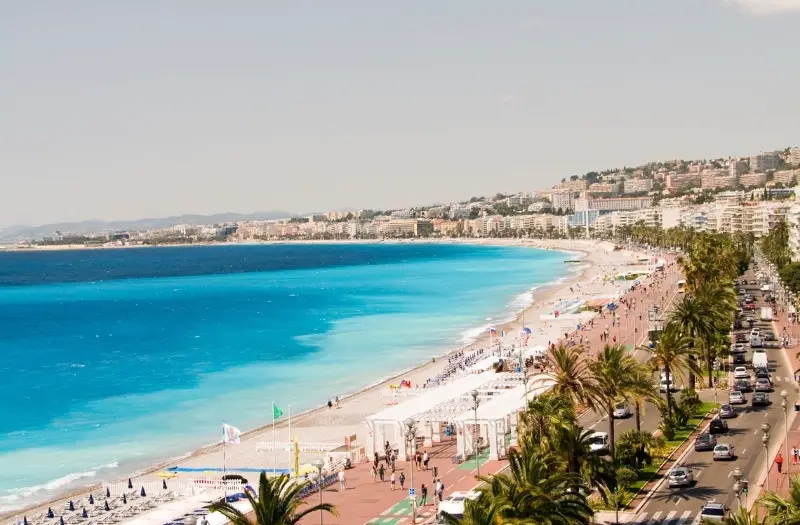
pixel 751 306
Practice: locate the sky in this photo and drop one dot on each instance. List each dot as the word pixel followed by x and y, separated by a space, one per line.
pixel 144 108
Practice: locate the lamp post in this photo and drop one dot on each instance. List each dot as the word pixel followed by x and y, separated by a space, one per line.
pixel 765 429
pixel 784 405
pixel 318 463
pixel 411 437
pixel 475 403
pixel 737 486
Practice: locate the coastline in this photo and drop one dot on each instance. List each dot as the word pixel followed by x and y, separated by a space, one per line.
pixel 541 297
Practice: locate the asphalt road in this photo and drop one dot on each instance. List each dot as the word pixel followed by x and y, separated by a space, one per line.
pixel 712 478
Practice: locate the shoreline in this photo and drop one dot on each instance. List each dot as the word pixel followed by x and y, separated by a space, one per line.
pixel 540 296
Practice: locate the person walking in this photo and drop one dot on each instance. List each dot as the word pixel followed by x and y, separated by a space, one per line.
pixel 342 482
pixel 425 459
pixel 440 490
pixel 435 471
pixel 382 473
pixel 374 474
pixel 402 480
pixel 779 462
pixel 423 495
pixel 391 480
pixel 795 455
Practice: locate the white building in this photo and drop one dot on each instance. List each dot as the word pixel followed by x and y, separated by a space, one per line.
pixel 765 161
pixel 637 185
pixel 563 200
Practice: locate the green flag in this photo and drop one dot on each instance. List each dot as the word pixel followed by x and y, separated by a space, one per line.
pixel 276 412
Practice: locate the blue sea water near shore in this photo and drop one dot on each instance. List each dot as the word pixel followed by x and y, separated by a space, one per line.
pixel 114 359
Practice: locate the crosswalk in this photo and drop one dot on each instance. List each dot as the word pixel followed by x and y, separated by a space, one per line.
pixel 664 518
pixel 777 379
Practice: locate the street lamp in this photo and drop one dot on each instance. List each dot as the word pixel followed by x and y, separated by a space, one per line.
pixel 411 437
pixel 318 463
pixel 765 429
pixel 784 403
pixel 737 485
pixel 475 403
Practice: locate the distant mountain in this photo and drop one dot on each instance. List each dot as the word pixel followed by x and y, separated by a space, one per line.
pixel 26 232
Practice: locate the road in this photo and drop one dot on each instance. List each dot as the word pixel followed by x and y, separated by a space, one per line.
pixel 713 480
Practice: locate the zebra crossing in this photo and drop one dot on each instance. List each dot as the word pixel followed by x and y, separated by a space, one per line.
pixel 777 379
pixel 661 518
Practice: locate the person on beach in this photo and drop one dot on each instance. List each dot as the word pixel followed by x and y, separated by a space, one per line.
pixel 342 482
pixel 330 404
pixel 402 480
pixel 382 473
pixel 391 481
pixel 424 495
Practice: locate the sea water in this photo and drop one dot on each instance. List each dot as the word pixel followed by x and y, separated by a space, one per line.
pixel 113 359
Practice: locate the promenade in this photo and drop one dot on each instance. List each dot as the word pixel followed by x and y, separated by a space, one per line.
pixel 365 501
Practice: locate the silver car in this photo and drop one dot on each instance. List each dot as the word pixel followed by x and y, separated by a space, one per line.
pixel 680 477
pixel 723 451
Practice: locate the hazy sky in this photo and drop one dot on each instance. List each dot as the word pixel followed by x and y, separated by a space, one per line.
pixel 144 108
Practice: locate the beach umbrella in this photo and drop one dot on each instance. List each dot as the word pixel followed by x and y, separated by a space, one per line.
pixel 526 330
pixel 164 484
pixel 106 507
pixel 124 499
pixel 130 485
pixel 91 499
pixel 71 506
pixel 142 493
pixel 50 513
pixel 84 513
pixel 108 492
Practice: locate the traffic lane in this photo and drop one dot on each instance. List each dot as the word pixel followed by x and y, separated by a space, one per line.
pixel 650 419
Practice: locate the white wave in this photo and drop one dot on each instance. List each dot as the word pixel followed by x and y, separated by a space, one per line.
pixel 20 497
pixel 77 365
pixel 113 464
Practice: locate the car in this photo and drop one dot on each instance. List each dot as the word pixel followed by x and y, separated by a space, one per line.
pixel 762 373
pixel 741 372
pixel 662 386
pixel 598 442
pixel 736 397
pixel 454 504
pixel 739 359
pixel 621 411
pixel 738 348
pixel 680 477
pixel 760 399
pixel 727 411
pixel 769 335
pixel 723 451
pixel 743 385
pixel 741 338
pixel 717 426
pixel 755 331
pixel 711 511
pixel 750 306
pixel 742 291
pixel 763 385
pixel 750 319
pixel 754 282
pixel 704 441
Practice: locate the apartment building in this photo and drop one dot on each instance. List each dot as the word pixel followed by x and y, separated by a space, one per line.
pixel 403 214
pixel 638 185
pixel 407 227
pixel 539 206
pixel 605 188
pixel 460 211
pixel 749 180
pixel 787 177
pixel 573 185
pixel 563 200
pixel 586 203
pixel 730 196
pixel 793 220
pixel 717 179
pixel 679 181
pixel 794 157
pixel 516 201
pixel 765 161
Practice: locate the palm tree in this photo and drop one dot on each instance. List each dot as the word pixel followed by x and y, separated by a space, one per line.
pixel 673 352
pixel 476 513
pixel 277 504
pixel 783 511
pixel 642 394
pixel 545 420
pixel 615 372
pixel 697 321
pixel 597 471
pixel 569 372
pixel 536 489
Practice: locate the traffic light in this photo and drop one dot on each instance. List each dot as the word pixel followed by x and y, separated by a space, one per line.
pixel 744 486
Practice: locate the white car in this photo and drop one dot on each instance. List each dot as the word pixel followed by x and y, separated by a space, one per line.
pixel 741 372
pixel 621 411
pixel 755 331
pixel 454 504
pixel 662 387
pixel 680 477
pixel 711 511
pixel 738 348
pixel 723 451
pixel 598 442
pixel 736 398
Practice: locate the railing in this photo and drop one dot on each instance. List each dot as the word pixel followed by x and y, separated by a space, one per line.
pixel 312 488
pixel 232 486
pixel 307 446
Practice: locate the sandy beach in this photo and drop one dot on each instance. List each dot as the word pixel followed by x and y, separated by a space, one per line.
pixel 589 280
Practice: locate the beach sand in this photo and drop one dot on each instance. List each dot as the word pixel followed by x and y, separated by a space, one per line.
pixel 588 281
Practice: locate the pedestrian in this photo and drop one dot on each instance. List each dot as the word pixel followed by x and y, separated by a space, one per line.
pixel 795 455
pixel 424 495
pixel 382 473
pixel 374 474
pixel 377 460
pixel 425 459
pixel 342 482
pixel 440 490
pixel 418 459
pixel 435 470
pixel 779 462
pixel 391 480
pixel 402 479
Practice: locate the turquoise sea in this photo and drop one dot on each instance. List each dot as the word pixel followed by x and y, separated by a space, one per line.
pixel 114 359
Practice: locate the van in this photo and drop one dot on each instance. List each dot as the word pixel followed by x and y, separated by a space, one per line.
pixel 766 313
pixel 760 361
pixel 755 341
pixel 598 442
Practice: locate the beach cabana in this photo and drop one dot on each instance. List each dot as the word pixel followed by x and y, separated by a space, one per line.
pixel 495 418
pixel 389 423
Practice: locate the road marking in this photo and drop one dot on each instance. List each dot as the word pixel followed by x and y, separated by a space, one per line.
pixel 685 517
pixel 670 516
pixel 699 473
pixel 655 517
pixel 755 432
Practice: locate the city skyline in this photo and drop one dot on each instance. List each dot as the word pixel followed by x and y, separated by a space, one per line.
pixel 149 111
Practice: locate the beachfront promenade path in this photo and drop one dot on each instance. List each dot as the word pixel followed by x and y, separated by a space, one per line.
pixel 374 503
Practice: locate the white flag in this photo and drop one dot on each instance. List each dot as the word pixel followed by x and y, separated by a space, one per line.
pixel 231 434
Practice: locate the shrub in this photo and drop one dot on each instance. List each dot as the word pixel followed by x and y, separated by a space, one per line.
pixel 625 478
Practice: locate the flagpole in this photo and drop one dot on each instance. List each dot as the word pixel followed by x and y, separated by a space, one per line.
pixel 224 461
pixel 274 456
pixel 290 435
